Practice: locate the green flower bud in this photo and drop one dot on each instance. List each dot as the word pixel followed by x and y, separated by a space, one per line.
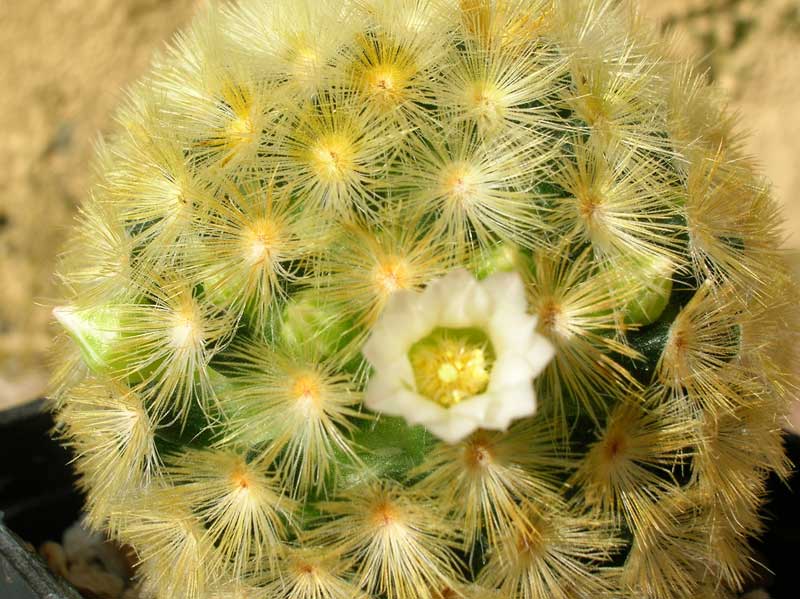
pixel 503 257
pixel 310 324
pixel 95 331
pixel 652 276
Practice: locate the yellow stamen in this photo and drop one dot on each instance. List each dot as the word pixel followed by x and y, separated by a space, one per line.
pixel 451 365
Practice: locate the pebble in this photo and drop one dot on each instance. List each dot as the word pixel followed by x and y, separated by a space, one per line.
pixel 96 567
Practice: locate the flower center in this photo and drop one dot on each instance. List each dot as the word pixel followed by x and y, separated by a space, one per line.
pixel 451 365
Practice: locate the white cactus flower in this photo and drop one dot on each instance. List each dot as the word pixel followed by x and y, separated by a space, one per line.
pixel 458 356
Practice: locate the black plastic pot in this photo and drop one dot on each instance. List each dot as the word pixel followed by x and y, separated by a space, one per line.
pixel 780 545
pixel 38 501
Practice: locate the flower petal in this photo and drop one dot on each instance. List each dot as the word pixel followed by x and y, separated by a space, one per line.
pixel 413 407
pixel 508 370
pixel 382 386
pixel 540 352
pixel 462 301
pixel 507 292
pixel 510 403
pixel 474 408
pixel 406 318
pixel 452 430
pixel 511 332
pixel 497 305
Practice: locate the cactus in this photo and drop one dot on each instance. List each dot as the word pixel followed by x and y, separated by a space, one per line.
pixel 414 299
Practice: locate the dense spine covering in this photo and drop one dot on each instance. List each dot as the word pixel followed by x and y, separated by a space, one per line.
pixel 289 167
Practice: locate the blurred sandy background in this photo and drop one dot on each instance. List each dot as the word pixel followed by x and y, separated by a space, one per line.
pixel 65 65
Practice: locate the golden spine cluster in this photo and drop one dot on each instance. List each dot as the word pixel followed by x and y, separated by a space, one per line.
pixel 287 167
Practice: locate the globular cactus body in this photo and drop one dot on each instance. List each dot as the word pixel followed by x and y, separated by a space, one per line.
pixel 413 299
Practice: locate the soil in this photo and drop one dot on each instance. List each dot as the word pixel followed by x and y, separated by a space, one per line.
pixel 66 65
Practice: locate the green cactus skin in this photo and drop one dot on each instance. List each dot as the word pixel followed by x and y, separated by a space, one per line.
pixel 290 168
